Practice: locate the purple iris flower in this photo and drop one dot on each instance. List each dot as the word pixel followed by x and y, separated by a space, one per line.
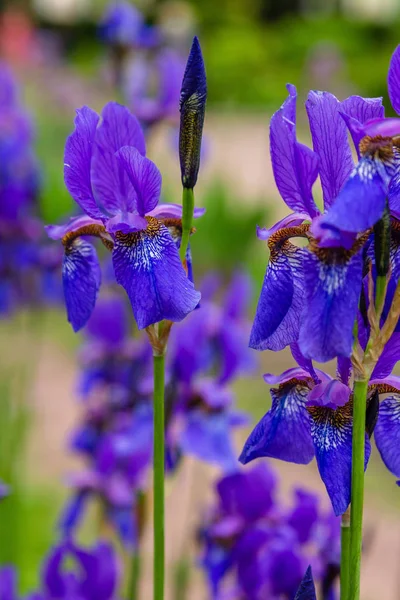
pixel 110 178
pixel 311 294
pixel 311 415
pixel 377 175
pixel 251 542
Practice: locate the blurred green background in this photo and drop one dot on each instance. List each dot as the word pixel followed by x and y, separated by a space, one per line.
pixel 251 49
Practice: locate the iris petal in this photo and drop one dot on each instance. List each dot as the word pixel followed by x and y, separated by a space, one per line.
pixel 284 432
pixel 306 590
pixel 331 432
pixel 81 281
pixel 394 80
pixel 333 289
pixel 387 433
pixel 281 302
pixel 147 265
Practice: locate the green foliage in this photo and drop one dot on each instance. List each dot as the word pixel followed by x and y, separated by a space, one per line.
pixel 226 233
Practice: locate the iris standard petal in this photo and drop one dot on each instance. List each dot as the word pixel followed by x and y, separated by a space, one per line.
pixel 77 161
pixel 147 265
pixel 387 433
pixel 361 201
pixel 81 277
pixel 306 590
pixel 294 165
pixel 281 303
pixel 284 432
pixel 356 110
pixel 333 286
pixel 118 128
pixel 394 80
pixel 331 431
pixel 143 175
pixel 329 136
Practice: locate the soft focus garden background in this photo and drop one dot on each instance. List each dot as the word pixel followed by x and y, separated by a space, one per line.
pixel 251 50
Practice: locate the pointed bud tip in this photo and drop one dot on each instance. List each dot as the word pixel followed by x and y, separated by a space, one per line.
pixel 194 79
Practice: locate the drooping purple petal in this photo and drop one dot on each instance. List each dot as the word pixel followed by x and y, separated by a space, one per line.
pixel 329 136
pixel 147 265
pixel 281 303
pixel 143 175
pixel 387 433
pixel 118 128
pixel 306 590
pixel 294 165
pixel 264 233
pixel 356 111
pixel 77 161
pixel 331 432
pixel 173 211
pixel 81 281
pixel 388 358
pixel 284 432
pixel 332 295
pixel 57 232
pixel 361 201
pixel 394 80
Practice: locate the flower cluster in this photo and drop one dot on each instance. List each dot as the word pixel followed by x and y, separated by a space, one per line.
pixel 115 437
pixel 254 548
pixel 318 298
pixel 91 574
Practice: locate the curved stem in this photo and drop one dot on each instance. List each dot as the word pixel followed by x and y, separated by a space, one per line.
pixel 187 219
pixel 357 486
pixel 344 555
pixel 158 478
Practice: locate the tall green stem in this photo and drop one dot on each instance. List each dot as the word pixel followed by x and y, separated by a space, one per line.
pixel 344 556
pixel 158 478
pixel 357 486
pixel 133 590
pixel 187 219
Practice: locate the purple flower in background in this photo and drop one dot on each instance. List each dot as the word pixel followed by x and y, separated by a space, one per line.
pixel 123 25
pixel 167 68
pixel 110 178
pixel 254 548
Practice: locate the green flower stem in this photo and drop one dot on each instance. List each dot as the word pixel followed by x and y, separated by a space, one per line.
pixel 344 556
pixel 357 486
pixel 158 478
pixel 187 219
pixel 133 591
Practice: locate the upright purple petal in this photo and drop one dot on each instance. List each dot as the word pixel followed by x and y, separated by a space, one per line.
pixel 294 165
pixel 147 265
pixel 388 358
pixel 77 161
pixel 394 80
pixel 281 303
pixel 81 281
pixel 332 292
pixel 118 128
pixel 284 432
pixel 306 590
pixel 356 111
pixel 331 432
pixel 387 433
pixel 329 136
pixel 143 175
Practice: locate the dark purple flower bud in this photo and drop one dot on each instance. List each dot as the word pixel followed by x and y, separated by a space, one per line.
pixel 306 590
pixel 192 108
